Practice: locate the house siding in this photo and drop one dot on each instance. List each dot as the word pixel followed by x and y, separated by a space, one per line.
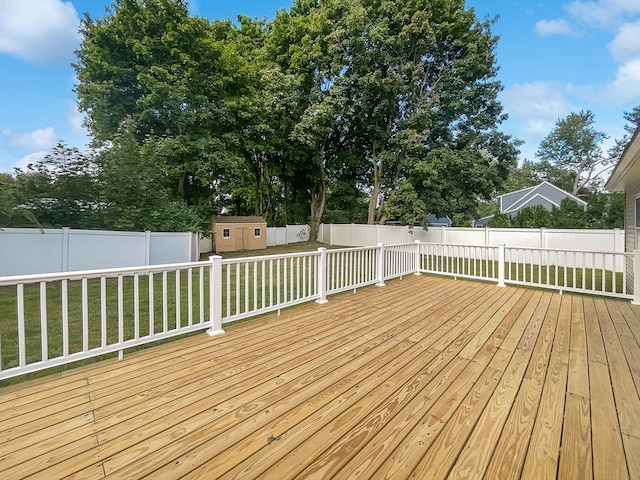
pixel 631 192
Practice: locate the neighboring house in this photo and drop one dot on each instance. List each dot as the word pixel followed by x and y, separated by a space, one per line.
pixel 626 178
pixel 545 194
pixel 438 221
pixel 232 234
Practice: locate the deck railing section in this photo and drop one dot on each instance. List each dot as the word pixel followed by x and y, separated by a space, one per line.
pixel 465 261
pixel 597 273
pixel 52 319
pixel 256 285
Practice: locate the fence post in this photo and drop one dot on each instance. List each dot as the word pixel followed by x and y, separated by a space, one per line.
pixel 418 259
pixel 64 267
pixel 147 247
pixel 380 266
pixel 636 278
pixel 501 265
pixel 215 296
pixel 321 275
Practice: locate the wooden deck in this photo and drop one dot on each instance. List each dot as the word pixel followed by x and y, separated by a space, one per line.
pixel 425 378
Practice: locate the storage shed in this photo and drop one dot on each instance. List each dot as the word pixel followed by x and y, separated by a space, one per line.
pixel 232 234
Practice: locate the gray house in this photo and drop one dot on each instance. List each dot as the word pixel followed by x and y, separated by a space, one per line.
pixel 626 178
pixel 545 194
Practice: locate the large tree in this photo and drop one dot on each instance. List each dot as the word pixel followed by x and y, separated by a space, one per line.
pixel 575 145
pixel 150 63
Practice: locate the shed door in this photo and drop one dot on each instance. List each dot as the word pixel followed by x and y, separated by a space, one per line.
pixel 242 239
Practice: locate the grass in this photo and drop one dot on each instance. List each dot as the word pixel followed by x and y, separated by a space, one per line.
pixel 593 279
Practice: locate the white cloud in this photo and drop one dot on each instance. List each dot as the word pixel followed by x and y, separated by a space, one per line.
pixel 42 32
pixel 42 138
pixel 626 44
pixel 31 158
pixel 626 86
pixel 554 27
pixel 537 101
pixel 75 119
pixel 604 13
pixel 534 108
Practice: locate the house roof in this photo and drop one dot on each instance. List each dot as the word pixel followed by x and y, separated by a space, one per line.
pixel 522 198
pixel 225 219
pixel 628 168
pixel 434 220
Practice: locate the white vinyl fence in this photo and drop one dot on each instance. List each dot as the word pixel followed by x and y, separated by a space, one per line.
pixel 286 235
pixel 368 235
pixel 25 251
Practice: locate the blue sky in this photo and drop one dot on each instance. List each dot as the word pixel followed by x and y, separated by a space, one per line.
pixel 555 57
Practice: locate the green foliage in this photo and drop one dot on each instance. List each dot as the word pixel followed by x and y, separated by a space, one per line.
pixel 575 146
pixel 329 105
pixel 633 123
pixel 406 206
pixel 58 191
pixel 604 211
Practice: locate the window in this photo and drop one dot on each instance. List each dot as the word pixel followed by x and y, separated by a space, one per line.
pixel 226 233
pixel 256 232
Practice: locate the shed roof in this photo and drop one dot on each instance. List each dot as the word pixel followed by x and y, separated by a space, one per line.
pixel 238 219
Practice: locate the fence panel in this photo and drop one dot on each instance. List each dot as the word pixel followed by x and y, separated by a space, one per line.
pixel 350 268
pixel 25 251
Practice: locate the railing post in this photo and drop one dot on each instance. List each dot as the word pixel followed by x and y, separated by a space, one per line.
pixel 636 278
pixel 380 267
pixel 215 296
pixel 321 275
pixel 501 265
pixel 418 259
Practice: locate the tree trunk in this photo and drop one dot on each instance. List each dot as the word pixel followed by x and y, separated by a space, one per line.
pixel 373 200
pixel 318 199
pixel 181 180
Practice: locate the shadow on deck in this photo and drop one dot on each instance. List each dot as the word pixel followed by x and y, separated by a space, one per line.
pixel 424 378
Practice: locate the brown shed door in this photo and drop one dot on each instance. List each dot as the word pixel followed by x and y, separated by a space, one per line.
pixel 239 239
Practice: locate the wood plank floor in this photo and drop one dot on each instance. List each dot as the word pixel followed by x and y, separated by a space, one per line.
pixel 424 378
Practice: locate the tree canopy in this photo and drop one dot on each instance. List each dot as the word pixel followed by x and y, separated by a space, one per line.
pixel 348 109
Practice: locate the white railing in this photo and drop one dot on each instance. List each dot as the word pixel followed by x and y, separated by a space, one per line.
pixel 478 262
pixel 597 273
pixel 53 319
pixel 256 285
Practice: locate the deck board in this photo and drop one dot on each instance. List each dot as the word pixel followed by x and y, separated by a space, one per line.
pixel 426 377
